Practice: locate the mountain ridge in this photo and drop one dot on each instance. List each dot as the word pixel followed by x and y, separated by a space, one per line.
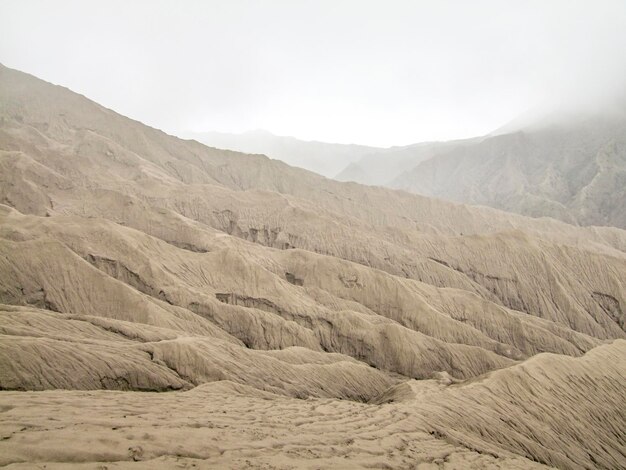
pixel 555 170
pixel 325 158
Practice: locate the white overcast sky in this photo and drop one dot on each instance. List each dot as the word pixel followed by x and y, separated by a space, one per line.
pixel 371 72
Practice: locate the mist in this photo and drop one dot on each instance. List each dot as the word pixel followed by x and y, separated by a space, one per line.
pixel 372 73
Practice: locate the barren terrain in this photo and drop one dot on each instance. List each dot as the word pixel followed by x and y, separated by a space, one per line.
pixel 163 303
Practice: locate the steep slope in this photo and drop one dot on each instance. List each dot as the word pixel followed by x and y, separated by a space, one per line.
pixel 89 162
pixel 573 170
pixel 321 157
pixel 133 260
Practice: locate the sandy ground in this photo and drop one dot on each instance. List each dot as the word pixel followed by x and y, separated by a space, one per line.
pixel 564 412
pixel 220 426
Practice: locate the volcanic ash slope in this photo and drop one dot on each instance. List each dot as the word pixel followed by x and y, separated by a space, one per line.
pixel 287 316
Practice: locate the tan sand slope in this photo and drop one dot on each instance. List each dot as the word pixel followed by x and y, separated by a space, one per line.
pixel 291 306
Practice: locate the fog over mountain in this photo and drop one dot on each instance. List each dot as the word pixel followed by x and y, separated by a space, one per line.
pixel 341 71
pixel 167 301
pixel 573 170
pixel 324 158
pixel 567 164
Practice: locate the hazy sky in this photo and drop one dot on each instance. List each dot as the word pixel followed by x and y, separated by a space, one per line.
pixel 378 73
